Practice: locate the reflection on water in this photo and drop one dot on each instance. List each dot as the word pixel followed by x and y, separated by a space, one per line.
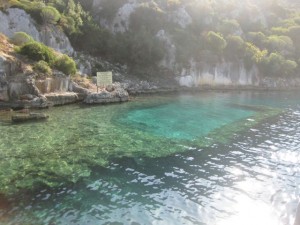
pixel 253 179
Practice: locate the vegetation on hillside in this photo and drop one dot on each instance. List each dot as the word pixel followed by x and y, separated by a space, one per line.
pixel 45 58
pixel 265 34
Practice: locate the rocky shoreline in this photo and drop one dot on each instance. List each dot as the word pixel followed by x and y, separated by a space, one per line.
pixel 116 93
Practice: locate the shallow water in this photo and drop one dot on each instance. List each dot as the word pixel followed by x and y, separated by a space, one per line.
pixel 157 173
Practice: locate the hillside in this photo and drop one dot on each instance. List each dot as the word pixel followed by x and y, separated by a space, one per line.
pixel 193 42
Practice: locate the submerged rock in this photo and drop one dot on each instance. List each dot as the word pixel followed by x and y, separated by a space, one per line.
pixel 29 117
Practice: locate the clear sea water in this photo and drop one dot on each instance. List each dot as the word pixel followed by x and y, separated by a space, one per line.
pixel 156 172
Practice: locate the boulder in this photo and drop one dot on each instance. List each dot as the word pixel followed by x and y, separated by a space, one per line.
pixel 117 94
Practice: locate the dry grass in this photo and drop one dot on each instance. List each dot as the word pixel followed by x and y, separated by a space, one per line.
pixel 5 46
pixel 84 82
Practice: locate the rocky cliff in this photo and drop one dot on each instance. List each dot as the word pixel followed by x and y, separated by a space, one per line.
pixel 16 20
pixel 233 19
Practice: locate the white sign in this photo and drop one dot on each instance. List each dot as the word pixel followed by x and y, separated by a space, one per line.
pixel 104 78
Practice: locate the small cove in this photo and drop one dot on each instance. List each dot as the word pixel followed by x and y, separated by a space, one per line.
pixel 152 168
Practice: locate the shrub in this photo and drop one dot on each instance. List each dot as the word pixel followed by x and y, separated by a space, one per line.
pixel 276 65
pixel 216 41
pixel 257 38
pixel 50 15
pixel 253 55
pixel 65 64
pixel 42 67
pixel 282 44
pixel 37 51
pixel 21 38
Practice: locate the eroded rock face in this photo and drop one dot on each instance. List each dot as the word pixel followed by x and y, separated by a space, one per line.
pixel 54 37
pixel 222 74
pixel 117 95
pixel 53 84
pixel 16 20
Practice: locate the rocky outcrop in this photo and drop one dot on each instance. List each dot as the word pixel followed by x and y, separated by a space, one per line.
pixel 36 102
pixel 111 94
pixel 16 20
pixel 56 99
pixel 55 38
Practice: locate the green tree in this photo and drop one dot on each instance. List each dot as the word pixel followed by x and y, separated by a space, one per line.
pixel 257 38
pixel 282 44
pixel 276 65
pixel 253 55
pixel 216 41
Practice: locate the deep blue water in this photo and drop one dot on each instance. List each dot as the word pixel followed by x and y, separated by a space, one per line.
pixel 253 178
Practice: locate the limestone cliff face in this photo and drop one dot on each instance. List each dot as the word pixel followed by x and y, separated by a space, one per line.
pixel 224 74
pixel 196 73
pixel 16 20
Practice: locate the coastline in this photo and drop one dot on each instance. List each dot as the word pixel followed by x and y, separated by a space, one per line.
pixel 66 98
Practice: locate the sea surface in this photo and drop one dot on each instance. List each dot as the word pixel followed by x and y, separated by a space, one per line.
pixel 165 160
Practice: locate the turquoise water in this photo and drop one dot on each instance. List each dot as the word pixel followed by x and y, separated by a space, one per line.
pixel 143 162
pixel 185 118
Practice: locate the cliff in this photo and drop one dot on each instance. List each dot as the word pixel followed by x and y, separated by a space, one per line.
pixel 210 43
pixel 17 20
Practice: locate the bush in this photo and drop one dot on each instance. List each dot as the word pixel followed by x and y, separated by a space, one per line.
pixel 257 38
pixel 276 65
pixel 253 55
pixel 21 38
pixel 216 41
pixel 282 44
pixel 50 15
pixel 37 51
pixel 42 67
pixel 66 65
